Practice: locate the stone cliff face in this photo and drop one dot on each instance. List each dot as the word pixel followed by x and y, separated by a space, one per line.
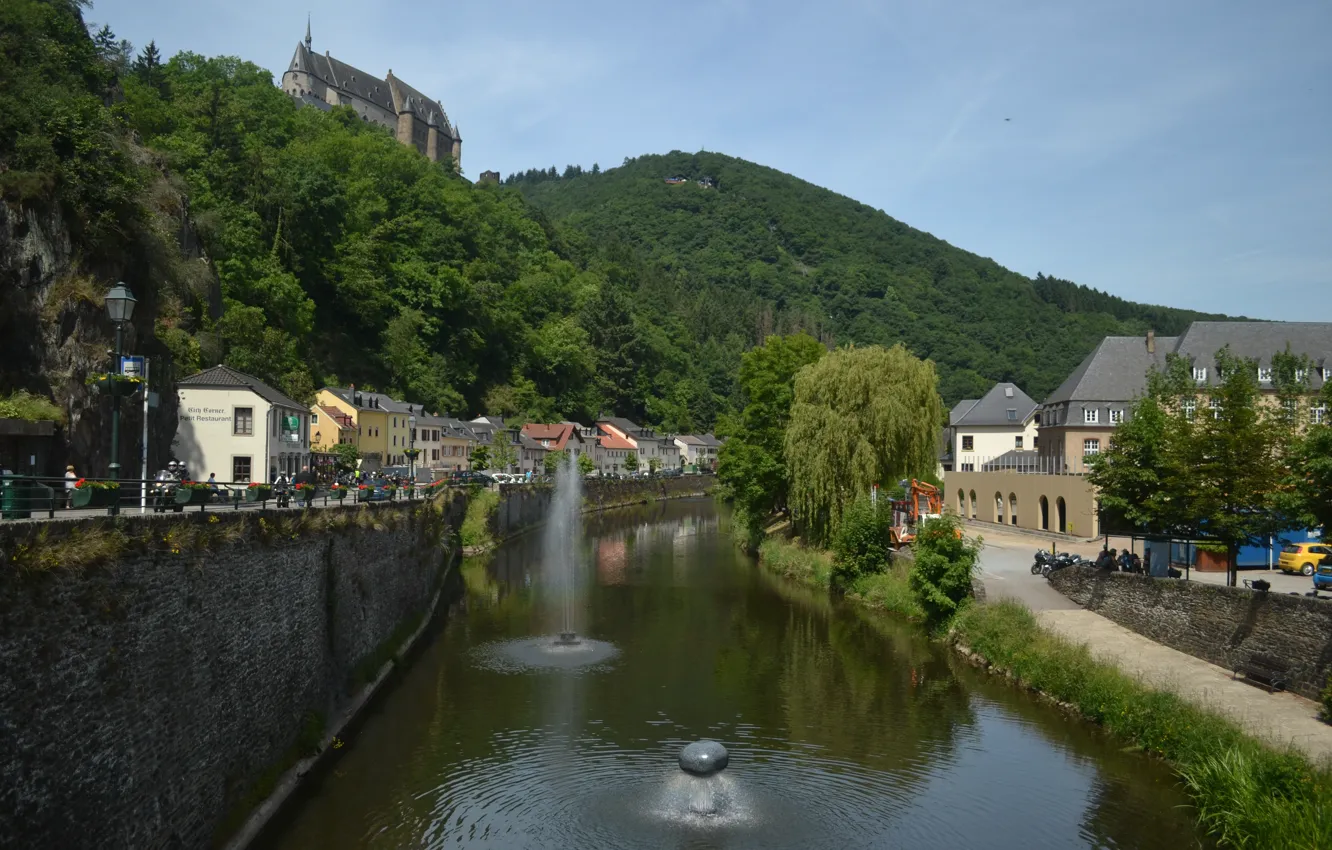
pixel 54 331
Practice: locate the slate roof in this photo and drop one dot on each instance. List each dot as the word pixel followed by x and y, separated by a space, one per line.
pixel 340 75
pixel 691 440
pixel 423 106
pixel 224 377
pixel 960 409
pixel 386 403
pixel 1258 340
pixel 1116 370
pixel 993 408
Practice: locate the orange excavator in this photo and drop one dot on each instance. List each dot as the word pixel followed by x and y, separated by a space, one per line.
pixel 923 501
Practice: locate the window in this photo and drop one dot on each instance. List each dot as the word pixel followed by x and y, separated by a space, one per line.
pixel 1091 415
pixel 395 439
pixel 1189 407
pixel 1264 375
pixel 314 418
pixel 434 454
pixel 242 422
pixel 1017 442
pixel 1327 373
pixel 1215 406
pixel 1012 415
pixel 1116 417
pixel 968 443
pixel 240 469
pixel 1091 447
pixel 1300 375
pixel 1319 414
pixel 1035 441
pixel 968 467
pixel 395 422
pixel 1200 374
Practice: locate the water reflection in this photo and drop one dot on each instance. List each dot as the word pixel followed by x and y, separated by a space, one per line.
pixel 844 729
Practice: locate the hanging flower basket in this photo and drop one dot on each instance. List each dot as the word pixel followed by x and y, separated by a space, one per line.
pixel 94 494
pixel 258 493
pixel 112 384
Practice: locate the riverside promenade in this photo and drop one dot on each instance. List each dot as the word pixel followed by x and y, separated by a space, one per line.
pixel 1280 719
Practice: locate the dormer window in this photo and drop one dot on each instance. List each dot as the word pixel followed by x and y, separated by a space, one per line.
pixel 1091 416
pixel 1264 375
pixel 1300 375
pixel 1200 375
pixel 1012 415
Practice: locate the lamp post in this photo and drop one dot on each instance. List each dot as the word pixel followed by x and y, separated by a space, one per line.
pixel 411 453
pixel 120 308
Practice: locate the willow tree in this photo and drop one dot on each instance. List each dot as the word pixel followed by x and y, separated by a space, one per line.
pixel 862 416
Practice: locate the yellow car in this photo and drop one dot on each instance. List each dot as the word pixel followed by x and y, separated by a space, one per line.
pixel 1303 558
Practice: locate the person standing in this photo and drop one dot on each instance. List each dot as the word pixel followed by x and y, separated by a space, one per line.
pixel 70 479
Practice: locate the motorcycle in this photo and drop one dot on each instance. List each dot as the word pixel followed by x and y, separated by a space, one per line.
pixel 282 492
pixel 164 489
pixel 1061 561
pixel 1042 558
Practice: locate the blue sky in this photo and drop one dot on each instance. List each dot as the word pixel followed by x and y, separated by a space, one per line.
pixel 1177 153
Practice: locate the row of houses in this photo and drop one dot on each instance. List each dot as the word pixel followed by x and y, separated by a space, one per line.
pixel 1008 459
pixel 241 429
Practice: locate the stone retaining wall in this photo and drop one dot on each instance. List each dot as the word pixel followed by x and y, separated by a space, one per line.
pixel 1215 623
pixel 141 699
pixel 524 506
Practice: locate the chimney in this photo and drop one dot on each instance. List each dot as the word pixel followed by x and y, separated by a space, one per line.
pixel 1151 342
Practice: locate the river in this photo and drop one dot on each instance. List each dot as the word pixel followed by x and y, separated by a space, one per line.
pixel 845 729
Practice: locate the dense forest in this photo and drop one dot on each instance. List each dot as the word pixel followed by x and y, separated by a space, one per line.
pixel 773 253
pixel 322 251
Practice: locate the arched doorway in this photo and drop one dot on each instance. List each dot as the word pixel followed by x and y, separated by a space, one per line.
pixel 961 503
pixel 973 504
pixel 999 508
pixel 1012 508
pixel 1045 514
pixel 1061 514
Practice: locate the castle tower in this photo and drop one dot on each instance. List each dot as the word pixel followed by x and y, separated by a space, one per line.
pixel 406 119
pixel 432 137
pixel 457 148
pixel 307 32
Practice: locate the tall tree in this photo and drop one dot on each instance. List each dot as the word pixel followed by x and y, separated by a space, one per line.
pixel 752 462
pixel 862 416
pixel 610 327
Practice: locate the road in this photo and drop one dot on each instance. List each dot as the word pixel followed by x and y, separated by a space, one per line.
pixel 1005 563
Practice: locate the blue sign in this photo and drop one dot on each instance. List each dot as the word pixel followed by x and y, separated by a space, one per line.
pixel 131 365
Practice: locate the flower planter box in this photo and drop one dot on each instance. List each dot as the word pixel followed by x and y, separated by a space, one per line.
pixel 305 496
pixel 338 495
pixel 95 497
pixel 186 496
pixel 258 494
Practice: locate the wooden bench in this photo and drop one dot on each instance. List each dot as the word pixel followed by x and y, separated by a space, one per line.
pixel 1271 673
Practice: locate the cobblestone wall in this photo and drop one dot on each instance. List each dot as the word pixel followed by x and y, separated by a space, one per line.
pixel 1211 622
pixel 140 699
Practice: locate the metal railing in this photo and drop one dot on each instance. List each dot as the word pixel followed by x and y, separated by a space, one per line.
pixel 25 497
pixel 1024 463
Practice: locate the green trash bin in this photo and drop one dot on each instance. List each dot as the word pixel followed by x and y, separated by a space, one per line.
pixel 14 501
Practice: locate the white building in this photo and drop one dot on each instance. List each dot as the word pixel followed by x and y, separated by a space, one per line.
pixel 1004 421
pixel 698 451
pixel 239 428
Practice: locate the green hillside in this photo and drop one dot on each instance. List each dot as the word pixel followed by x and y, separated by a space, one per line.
pixel 772 252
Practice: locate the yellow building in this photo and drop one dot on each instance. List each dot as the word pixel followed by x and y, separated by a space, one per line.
pixel 330 427
pixel 383 430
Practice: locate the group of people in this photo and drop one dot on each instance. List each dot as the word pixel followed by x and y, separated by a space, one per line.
pixel 1111 559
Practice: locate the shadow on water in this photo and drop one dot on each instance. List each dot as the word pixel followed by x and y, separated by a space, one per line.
pixel 845 729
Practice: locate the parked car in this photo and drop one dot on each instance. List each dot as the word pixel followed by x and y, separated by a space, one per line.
pixel 1322 577
pixel 1302 557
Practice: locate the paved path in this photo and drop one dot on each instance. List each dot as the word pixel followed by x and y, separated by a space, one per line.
pixel 1005 564
pixel 1280 718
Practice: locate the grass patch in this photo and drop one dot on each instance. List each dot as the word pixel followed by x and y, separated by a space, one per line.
pixel 888 591
pixel 1246 794
pixel 790 559
pixel 476 522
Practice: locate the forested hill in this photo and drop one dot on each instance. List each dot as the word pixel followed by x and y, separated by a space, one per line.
pixel 773 252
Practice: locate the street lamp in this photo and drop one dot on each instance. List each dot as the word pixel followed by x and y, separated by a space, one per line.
pixel 411 454
pixel 120 308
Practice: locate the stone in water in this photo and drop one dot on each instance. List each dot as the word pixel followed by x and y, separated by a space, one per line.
pixel 703 758
pixel 567 639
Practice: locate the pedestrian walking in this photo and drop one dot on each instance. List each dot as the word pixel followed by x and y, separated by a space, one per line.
pixel 70 479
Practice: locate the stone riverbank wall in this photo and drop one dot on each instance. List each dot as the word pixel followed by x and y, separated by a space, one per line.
pixel 157 673
pixel 1217 624
pixel 524 506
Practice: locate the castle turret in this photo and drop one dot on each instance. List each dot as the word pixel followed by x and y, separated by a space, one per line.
pixel 405 120
pixel 432 137
pixel 457 148
pixel 307 32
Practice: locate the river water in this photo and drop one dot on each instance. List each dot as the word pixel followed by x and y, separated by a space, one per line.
pixel 845 729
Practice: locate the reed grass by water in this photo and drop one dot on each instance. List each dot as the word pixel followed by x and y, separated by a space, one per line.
pixel 1246 794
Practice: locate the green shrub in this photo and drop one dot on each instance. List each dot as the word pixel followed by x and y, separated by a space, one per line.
pixel 862 544
pixel 25 405
pixel 945 563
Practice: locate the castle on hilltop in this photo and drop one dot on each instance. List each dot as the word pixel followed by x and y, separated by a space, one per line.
pixel 324 82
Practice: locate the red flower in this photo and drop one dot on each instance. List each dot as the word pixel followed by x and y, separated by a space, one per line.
pixel 80 483
pixel 362 486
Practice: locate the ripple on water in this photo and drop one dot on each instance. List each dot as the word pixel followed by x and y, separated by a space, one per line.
pixel 546 652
